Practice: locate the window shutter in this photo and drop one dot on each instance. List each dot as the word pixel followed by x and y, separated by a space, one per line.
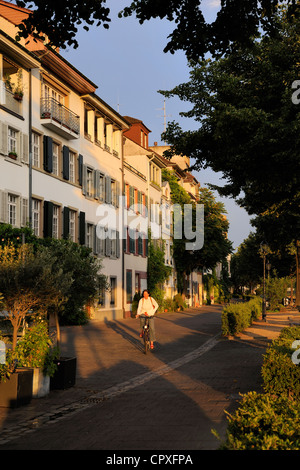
pixel 3 206
pixel 82 228
pixel 4 138
pixel 66 222
pixel 48 154
pixel 66 163
pixel 24 147
pixel 132 241
pixel 117 194
pixel 102 187
pixel 118 244
pixel 80 168
pixel 108 243
pixel 108 189
pixel 48 219
pixel 84 179
pixel 96 184
pixel 131 197
pixel 24 212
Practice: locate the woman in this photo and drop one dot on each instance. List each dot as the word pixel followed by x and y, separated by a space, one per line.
pixel 147 307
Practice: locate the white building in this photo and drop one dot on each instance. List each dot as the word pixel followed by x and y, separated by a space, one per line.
pixel 65 172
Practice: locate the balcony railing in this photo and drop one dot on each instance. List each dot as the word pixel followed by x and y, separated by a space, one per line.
pixel 10 100
pixel 52 110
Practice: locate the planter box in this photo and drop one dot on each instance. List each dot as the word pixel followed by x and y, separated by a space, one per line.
pixel 40 383
pixel 17 390
pixel 65 375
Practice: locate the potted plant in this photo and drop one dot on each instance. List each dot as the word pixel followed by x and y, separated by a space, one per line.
pixel 15 383
pixel 18 89
pixel 13 155
pixel 35 350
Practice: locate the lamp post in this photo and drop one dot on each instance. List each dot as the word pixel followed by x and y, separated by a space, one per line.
pixel 264 250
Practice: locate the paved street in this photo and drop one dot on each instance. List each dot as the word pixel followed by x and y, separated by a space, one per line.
pixel 169 399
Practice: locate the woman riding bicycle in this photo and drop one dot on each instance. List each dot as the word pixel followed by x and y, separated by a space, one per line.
pixel 146 308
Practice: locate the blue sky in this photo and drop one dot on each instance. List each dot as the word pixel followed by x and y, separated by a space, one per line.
pixel 129 66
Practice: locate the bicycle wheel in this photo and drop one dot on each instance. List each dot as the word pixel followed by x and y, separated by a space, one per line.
pixel 146 340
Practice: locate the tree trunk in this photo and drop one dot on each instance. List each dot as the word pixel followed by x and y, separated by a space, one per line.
pixel 297 272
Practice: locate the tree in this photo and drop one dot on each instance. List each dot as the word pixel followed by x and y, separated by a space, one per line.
pixel 216 245
pixel 157 271
pixel 29 283
pixel 76 261
pixel 246 266
pixel 238 21
pixel 249 127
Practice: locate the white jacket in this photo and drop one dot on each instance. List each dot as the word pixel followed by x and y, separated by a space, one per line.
pixel 147 305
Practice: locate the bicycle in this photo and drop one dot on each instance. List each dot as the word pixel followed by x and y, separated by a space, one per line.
pixel 146 334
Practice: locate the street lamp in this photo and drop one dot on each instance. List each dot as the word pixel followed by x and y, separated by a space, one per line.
pixel 264 249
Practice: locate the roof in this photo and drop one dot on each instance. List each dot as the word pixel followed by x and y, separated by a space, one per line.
pixel 12 12
pixel 132 120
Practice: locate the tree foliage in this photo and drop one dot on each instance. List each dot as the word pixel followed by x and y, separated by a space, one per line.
pixel 216 244
pixel 237 21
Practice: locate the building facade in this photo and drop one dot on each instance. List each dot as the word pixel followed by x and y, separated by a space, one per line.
pixel 61 155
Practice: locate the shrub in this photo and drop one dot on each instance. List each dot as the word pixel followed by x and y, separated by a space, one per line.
pixel 237 317
pixel 35 349
pixel 280 374
pixel 264 422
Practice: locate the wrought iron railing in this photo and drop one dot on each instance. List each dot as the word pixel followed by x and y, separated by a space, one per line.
pixel 53 109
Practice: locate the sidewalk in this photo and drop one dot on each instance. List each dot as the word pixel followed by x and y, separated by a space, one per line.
pixel 111 362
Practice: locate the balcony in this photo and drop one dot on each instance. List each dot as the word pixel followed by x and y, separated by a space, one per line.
pixel 10 101
pixel 59 119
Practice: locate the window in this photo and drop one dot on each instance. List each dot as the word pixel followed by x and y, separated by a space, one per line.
pixel 36 150
pixel 12 209
pixel 101 298
pixel 50 93
pixel 72 226
pixel 72 167
pixel 55 161
pixel 129 285
pixel 36 208
pixel 113 285
pixel 89 183
pixel 89 235
pixel 137 282
pixel 12 140
pixel 55 226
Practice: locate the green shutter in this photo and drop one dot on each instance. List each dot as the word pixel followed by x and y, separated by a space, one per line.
pixel 66 222
pixel 82 228
pixel 48 219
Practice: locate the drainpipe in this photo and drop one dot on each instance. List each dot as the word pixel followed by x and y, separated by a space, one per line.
pixel 121 229
pixel 30 149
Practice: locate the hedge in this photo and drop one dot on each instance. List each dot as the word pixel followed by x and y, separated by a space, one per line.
pixel 264 422
pixel 238 317
pixel 280 374
pixel 271 420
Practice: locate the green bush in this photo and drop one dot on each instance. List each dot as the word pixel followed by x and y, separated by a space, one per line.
pixel 35 349
pixel 264 422
pixel 280 374
pixel 238 317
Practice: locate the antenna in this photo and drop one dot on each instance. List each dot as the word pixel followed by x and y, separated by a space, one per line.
pixel 165 116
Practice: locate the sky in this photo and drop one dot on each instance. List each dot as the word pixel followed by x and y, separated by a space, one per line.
pixel 128 65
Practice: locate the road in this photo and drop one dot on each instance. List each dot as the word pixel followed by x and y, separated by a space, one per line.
pixel 169 399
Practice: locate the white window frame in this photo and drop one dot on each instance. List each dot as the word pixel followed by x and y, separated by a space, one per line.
pixel 36 216
pixel 36 149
